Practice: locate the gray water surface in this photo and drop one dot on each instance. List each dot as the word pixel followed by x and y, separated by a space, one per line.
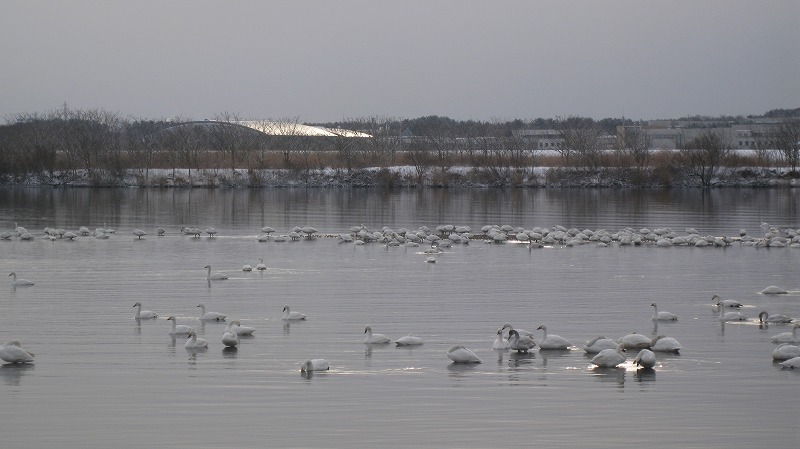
pixel 103 379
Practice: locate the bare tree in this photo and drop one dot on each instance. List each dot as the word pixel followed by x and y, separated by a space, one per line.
pixel 86 135
pixel 581 141
pixel 787 141
pixel 634 146
pixel 702 157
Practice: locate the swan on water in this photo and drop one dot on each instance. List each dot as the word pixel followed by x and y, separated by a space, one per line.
pixel 12 352
pixel 160 231
pixel 240 330
pixel 214 276
pixel 292 316
pixel 19 282
pixel 260 266
pixel 665 344
pixel 732 316
pixel 773 290
pixel 209 316
pixel 314 365
pixel 139 233
pixel 460 354
pixel 143 314
pixel 645 359
pixel 786 351
pixel 765 317
pixel 791 363
pixel 662 316
pixel 519 343
pixel 247 267
pixel 229 338
pixel 787 337
pixel 725 302
pixel 372 339
pixel 195 342
pixel 507 327
pixel 635 341
pixel 551 341
pixel 499 342
pixel 597 344
pixel 409 340
pixel 211 232
pixel 179 329
pixel 610 358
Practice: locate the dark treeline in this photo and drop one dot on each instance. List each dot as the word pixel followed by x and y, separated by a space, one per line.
pixel 102 148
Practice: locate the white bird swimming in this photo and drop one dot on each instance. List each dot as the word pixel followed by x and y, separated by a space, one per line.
pixel 773 290
pixel 460 354
pixel 786 351
pixel 610 358
pixel 240 330
pixel 373 339
pixel 292 316
pixel 247 267
pixel 725 302
pixel 765 317
pixel 791 363
pixel 409 340
pixel 12 352
pixel 731 316
pixel 551 341
pixel 229 338
pixel 19 282
pixel 209 316
pixel 261 266
pixel 311 365
pixel 143 314
pixel 179 329
pixel 214 276
pixel 662 316
pixel 787 337
pixel 499 342
pixel 519 343
pixel 665 344
pixel 597 344
pixel 195 342
pixel 645 359
pixel 635 341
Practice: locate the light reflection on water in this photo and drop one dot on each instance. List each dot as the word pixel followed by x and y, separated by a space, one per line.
pixel 135 384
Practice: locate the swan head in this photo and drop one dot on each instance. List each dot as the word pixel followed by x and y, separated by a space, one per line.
pixel 368 330
pixel 512 332
pixel 138 304
pixel 171 318
pixel 763 316
pixel 542 327
pixel 285 308
pixel 192 334
pixel 12 343
pixel 201 305
pixel 207 266
pixel 305 366
pixel 653 305
pixel 13 274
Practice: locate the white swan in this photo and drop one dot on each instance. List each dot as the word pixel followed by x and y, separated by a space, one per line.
pixel 610 358
pixel 499 342
pixel 597 344
pixel 665 344
pixel 372 339
pixel 209 316
pixel 731 316
pixel 211 232
pixel 791 363
pixel 409 340
pixel 229 338
pixel 645 359
pixel 179 329
pixel 139 233
pixel 11 352
pixel 635 341
pixel 786 351
pixel 460 354
pixel 194 342
pixel 240 330
pixel 507 327
pixel 551 341
pixel 725 302
pixel 765 317
pixel 662 316
pixel 261 266
pixel 143 314
pixel 314 365
pixel 787 337
pixel 19 282
pixel 773 290
pixel 519 343
pixel 292 316
pixel 214 276
pixel 247 267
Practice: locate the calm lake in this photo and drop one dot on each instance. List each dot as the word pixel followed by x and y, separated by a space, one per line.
pixel 103 379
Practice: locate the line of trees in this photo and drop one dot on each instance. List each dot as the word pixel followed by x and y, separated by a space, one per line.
pixel 104 146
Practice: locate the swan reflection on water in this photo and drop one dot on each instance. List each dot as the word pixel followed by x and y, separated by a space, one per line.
pixel 644 375
pixel 12 373
pixel 230 352
pixel 615 374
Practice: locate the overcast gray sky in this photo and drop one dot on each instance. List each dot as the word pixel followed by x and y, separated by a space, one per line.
pixel 333 60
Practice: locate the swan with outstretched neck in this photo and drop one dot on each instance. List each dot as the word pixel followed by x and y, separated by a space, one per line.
pixel 143 314
pixel 288 315
pixel 179 329
pixel 195 342
pixel 374 339
pixel 209 316
pixel 214 276
pixel 662 316
pixel 19 282
pixel 552 341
